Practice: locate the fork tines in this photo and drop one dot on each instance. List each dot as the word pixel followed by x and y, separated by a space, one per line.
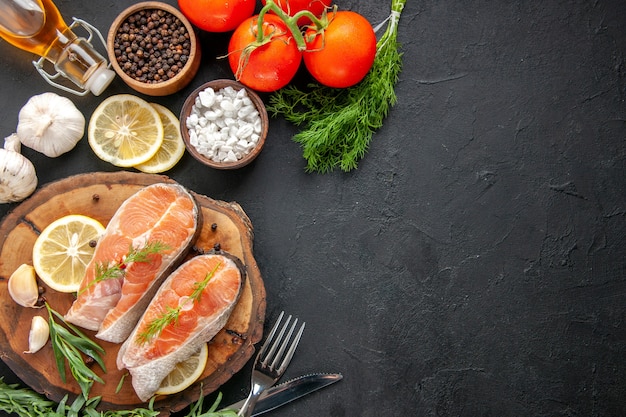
pixel 278 346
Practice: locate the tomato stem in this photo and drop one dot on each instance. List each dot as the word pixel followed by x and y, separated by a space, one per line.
pixel 291 22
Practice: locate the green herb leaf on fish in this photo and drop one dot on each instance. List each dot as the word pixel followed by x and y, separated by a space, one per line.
pixel 157 325
pixel 199 287
pixel 171 314
pixel 115 270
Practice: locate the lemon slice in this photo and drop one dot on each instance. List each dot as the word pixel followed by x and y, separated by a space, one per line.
pixel 63 250
pixel 172 148
pixel 185 373
pixel 125 130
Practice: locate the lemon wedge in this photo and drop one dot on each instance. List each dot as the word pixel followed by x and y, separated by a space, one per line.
pixel 63 250
pixel 125 130
pixel 173 146
pixel 185 373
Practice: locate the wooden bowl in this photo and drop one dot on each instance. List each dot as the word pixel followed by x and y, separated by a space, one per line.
pixel 218 85
pixel 163 87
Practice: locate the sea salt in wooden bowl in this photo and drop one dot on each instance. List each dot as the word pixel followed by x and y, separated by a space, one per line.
pixel 151 62
pixel 215 126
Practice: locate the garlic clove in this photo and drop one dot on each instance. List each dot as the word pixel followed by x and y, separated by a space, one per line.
pixel 23 287
pixel 18 178
pixel 38 335
pixel 13 143
pixel 50 124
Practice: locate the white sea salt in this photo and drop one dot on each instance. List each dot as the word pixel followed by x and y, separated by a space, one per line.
pixel 224 125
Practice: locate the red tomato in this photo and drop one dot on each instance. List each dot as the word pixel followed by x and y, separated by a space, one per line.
pixel 270 66
pixel 217 15
pixel 292 7
pixel 344 54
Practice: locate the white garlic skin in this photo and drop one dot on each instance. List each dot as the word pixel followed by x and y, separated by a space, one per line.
pixel 18 178
pixel 38 335
pixel 50 124
pixel 23 287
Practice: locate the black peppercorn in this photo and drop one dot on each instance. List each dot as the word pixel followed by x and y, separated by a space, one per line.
pixel 156 42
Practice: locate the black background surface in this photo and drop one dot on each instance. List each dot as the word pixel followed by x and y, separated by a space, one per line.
pixel 474 263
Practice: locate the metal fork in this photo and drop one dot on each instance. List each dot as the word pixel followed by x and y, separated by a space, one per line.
pixel 271 361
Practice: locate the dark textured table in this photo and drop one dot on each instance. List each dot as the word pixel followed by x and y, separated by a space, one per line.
pixel 475 263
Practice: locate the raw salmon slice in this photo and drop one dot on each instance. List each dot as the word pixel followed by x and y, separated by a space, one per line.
pixel 190 308
pixel 163 217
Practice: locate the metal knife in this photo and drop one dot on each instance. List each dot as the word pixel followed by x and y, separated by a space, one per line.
pixel 288 391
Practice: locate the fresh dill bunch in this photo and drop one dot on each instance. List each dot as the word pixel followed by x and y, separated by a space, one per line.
pixel 339 123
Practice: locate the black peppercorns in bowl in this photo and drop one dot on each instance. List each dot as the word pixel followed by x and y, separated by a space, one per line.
pixel 153 48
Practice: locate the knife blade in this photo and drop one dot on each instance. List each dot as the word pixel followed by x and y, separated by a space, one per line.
pixel 289 391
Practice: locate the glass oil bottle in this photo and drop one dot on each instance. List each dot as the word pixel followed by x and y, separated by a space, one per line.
pixel 37 26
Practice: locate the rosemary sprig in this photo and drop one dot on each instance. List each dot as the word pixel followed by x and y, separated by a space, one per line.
pixel 339 123
pixel 171 314
pixel 69 344
pixel 115 270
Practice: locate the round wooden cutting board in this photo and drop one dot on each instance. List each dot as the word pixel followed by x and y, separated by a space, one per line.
pixel 98 195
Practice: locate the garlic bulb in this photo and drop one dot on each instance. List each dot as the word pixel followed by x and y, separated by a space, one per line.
pixel 18 178
pixel 50 124
pixel 23 287
pixel 38 335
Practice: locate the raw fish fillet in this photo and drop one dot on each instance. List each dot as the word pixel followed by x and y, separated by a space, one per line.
pixel 161 213
pixel 150 355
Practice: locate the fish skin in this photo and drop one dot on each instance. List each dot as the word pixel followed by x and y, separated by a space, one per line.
pixel 148 363
pixel 99 306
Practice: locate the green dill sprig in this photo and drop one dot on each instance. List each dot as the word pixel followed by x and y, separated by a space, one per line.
pixel 198 287
pixel 70 344
pixel 115 270
pixel 156 326
pixel 338 123
pixel 171 314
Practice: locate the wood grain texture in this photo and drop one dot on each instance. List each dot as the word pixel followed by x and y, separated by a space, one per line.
pixel 98 195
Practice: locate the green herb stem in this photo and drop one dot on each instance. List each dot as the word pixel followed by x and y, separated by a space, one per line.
pixel 291 22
